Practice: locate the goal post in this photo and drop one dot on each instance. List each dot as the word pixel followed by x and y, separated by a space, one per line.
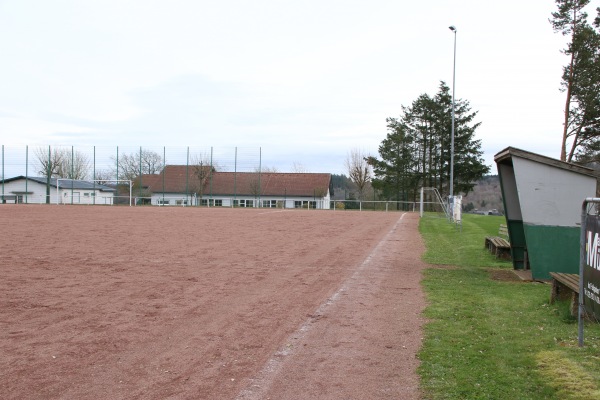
pixel 92 184
pixel 431 200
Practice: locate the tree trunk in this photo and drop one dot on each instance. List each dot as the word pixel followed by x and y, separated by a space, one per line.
pixel 563 149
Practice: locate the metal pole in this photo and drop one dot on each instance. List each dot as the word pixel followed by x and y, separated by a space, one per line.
pixel 581 261
pixel 453 29
pixel 421 204
pixel 235 178
pixel 3 174
pixel 259 172
pixel 117 162
pixel 140 189
pixel 211 174
pixel 187 176
pixel 94 178
pixel 72 171
pixel 163 174
pixel 26 173
pixel 48 177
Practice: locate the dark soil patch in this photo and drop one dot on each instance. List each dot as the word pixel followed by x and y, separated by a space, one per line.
pixel 503 275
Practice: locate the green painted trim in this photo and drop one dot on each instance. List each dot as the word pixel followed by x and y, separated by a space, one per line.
pixel 518 244
pixel 552 249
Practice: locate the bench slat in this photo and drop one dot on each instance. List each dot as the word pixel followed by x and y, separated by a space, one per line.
pixel 498 245
pixel 565 286
pixel 569 280
pixel 503 230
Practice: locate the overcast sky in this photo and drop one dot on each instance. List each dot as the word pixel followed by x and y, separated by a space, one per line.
pixel 306 81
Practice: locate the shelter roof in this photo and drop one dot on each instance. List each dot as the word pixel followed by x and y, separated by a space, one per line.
pixel 505 157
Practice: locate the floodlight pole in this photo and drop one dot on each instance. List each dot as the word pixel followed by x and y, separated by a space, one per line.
pixel 453 29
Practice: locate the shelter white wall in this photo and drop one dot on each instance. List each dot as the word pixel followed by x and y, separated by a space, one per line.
pixel 550 195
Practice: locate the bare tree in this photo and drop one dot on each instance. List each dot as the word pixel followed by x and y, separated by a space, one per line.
pixel 266 169
pixel 62 163
pixel 104 175
pixel 130 165
pixel 254 185
pixel 48 162
pixel 298 168
pixel 202 168
pixel 359 170
pixel 75 165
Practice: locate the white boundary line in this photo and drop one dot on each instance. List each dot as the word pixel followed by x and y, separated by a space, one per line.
pixel 263 380
pixel 271 212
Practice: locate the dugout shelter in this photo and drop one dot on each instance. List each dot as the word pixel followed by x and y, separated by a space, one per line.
pixel 542 201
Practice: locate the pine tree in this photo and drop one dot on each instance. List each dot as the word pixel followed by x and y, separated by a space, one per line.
pixel 581 77
pixel 416 151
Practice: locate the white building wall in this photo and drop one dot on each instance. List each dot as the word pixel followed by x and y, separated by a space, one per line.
pixel 33 192
pixel 82 196
pixel 178 199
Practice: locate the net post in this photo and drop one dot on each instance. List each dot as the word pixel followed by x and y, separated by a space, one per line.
pixel 421 204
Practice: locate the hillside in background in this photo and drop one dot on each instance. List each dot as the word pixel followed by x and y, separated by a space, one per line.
pixel 486 195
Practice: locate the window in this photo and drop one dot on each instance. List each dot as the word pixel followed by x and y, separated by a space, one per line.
pixel 181 202
pixel 243 203
pixel 162 202
pixel 213 202
pixel 305 204
pixel 269 203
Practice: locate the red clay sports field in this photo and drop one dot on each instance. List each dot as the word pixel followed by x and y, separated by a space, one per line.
pixel 208 303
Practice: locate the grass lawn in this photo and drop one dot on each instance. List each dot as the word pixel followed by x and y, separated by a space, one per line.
pixel 493 337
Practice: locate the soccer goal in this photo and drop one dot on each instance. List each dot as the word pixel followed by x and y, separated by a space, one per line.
pixel 94 192
pixel 431 201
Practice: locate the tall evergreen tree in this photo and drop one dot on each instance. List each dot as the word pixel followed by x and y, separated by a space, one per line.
pixel 416 151
pixel 581 77
pixel 468 162
pixel 395 171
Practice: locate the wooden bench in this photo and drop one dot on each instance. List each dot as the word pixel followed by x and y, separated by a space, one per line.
pixel 565 287
pixel 498 245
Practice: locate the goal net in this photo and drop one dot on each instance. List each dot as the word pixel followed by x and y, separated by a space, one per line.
pixel 431 202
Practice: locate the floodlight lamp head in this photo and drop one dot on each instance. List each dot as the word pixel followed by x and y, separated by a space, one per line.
pixel 452 28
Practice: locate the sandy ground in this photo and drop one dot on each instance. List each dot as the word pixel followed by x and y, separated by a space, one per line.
pixel 187 303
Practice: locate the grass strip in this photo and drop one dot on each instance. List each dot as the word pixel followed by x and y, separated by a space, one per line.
pixel 490 338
